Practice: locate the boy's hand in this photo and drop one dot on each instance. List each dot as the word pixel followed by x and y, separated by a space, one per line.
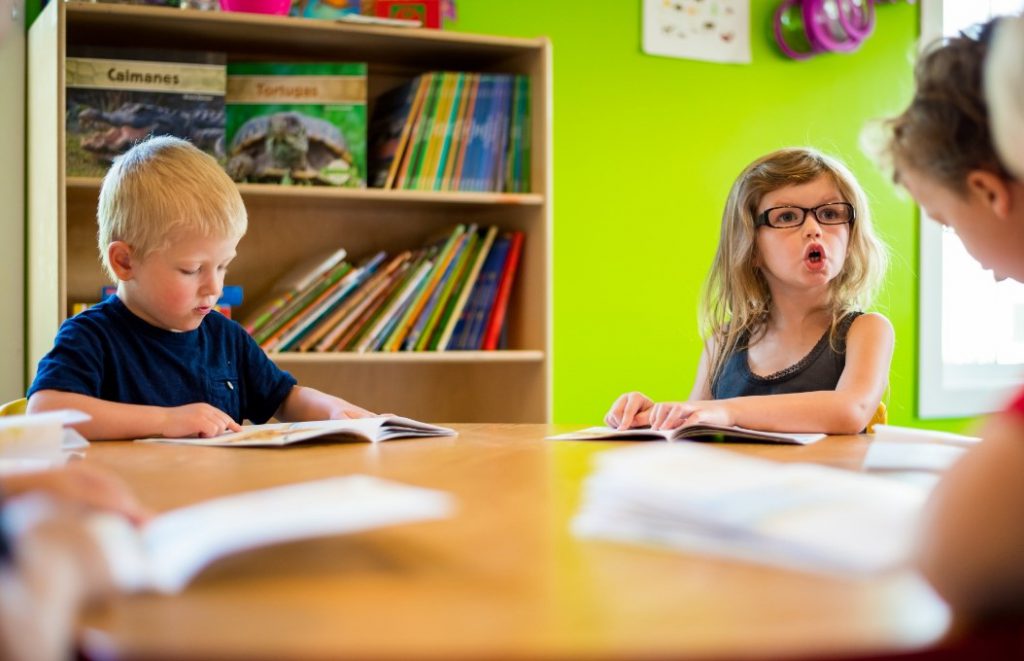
pixel 348 411
pixel 199 419
pixel 629 410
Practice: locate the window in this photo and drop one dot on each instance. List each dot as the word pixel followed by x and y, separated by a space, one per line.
pixel 971 327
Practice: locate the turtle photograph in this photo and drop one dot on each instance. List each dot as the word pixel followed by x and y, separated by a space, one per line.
pixel 296 123
pixel 290 147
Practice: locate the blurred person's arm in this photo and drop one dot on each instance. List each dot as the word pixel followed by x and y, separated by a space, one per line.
pixel 54 562
pixel 79 483
pixel 972 549
pixel 54 569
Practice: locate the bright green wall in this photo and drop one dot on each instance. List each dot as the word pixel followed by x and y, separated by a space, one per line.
pixel 645 149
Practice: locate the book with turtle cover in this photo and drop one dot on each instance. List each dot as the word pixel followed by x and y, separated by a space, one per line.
pixel 116 97
pixel 297 123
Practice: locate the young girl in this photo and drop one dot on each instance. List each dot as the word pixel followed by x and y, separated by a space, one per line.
pixel 787 348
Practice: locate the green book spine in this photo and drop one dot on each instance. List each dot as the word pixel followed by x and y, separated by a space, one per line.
pixel 465 271
pixel 449 132
pixel 458 273
pixel 412 313
pixel 300 302
pixel 423 134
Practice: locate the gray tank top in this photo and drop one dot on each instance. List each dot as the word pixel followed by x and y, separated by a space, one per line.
pixel 818 370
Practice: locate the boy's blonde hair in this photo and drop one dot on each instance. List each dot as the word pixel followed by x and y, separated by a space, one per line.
pixel 736 299
pixel 161 186
pixel 1004 91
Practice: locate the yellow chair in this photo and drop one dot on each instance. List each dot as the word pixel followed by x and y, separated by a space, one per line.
pixel 881 417
pixel 15 407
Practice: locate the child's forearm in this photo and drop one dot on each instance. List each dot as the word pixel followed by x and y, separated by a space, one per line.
pixel 827 411
pixel 108 420
pixel 310 404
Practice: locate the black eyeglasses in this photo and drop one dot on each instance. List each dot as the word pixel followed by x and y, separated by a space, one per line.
pixel 834 213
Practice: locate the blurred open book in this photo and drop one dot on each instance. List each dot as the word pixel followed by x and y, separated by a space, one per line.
pixel 713 501
pixel 369 430
pixel 168 551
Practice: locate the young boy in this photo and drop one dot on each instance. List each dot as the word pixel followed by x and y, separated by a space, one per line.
pixel 156 360
pixel 942 152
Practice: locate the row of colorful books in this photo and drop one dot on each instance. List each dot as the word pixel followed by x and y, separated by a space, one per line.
pixel 450 295
pixel 453 131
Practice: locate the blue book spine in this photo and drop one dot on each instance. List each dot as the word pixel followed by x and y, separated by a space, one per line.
pixel 474 148
pixel 497 118
pixel 483 295
pixel 497 179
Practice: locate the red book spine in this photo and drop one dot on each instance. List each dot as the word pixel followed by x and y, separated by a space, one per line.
pixel 494 324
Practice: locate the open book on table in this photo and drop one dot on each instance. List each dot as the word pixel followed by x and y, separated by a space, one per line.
pixel 693 433
pixel 710 501
pixel 372 430
pixel 168 551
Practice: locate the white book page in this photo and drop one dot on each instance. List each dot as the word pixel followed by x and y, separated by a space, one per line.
pixel 913 435
pixel 886 455
pixel 174 547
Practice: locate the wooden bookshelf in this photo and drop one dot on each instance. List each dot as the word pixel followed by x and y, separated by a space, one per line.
pixel 287 224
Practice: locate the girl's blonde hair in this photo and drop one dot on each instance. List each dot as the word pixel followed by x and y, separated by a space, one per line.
pixel 736 299
pixel 161 186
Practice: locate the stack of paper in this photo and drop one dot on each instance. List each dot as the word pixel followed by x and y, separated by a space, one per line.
pixel 909 449
pixel 712 501
pixel 39 441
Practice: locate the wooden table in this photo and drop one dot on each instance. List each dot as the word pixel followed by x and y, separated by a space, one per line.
pixel 503 578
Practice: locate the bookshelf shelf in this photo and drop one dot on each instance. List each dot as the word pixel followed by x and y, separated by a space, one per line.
pixel 358 195
pixel 289 224
pixel 287 359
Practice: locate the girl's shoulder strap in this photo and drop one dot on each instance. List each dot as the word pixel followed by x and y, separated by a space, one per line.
pixel 843 328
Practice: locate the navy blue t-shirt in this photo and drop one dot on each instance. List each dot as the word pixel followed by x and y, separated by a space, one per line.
pixel 109 353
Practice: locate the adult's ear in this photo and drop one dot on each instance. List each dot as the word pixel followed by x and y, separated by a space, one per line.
pixel 992 190
pixel 119 254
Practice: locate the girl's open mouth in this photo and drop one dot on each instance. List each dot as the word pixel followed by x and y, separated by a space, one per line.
pixel 814 256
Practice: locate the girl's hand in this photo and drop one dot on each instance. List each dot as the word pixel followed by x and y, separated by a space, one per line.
pixel 629 410
pixel 669 415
